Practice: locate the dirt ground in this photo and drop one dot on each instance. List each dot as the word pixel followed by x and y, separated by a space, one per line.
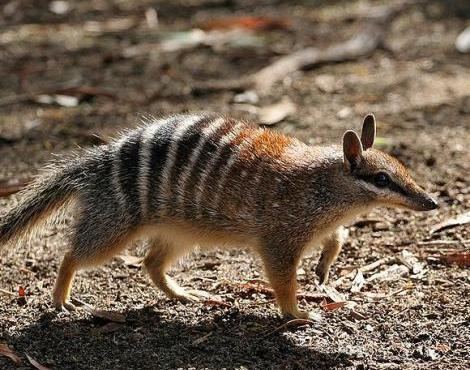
pixel 407 315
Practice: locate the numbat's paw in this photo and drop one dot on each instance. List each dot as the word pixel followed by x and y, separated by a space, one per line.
pixel 189 296
pixel 303 315
pixel 66 307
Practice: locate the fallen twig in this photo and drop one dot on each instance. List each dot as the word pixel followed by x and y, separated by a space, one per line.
pixel 202 339
pixel 459 220
pixel 389 273
pixel 380 296
pixel 7 292
pixel 362 44
pixel 25 97
pixel 369 267
pixel 36 364
pixel 443 242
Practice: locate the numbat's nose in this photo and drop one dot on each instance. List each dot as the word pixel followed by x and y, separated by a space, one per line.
pixel 428 203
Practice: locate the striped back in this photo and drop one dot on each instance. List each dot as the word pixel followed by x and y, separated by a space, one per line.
pixel 197 167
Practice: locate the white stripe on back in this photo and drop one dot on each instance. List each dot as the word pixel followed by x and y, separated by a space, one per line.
pixel 182 127
pixel 115 169
pixel 145 154
pixel 200 187
pixel 206 134
pixel 223 176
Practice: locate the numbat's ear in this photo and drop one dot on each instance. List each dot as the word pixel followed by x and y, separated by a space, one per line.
pixel 352 149
pixel 368 131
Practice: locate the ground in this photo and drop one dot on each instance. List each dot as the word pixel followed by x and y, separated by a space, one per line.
pixel 417 85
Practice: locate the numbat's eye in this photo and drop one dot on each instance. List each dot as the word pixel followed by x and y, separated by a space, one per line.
pixel 381 179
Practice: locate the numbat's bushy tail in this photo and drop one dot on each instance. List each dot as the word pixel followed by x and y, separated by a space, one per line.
pixel 46 194
pixel 203 179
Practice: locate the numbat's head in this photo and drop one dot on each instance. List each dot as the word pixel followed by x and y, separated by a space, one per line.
pixel 380 177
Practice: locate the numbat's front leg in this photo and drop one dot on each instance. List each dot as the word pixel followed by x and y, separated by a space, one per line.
pixel 281 270
pixel 331 248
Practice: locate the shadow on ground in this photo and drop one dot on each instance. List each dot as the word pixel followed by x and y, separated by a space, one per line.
pixel 149 341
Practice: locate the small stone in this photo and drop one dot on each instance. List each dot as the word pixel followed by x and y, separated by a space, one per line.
pixel 59 7
pixel 344 113
pixel 462 42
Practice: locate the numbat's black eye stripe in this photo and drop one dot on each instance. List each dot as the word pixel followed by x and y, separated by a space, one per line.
pixel 393 186
pixel 382 180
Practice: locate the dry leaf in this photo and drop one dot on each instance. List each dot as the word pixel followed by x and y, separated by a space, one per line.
pixel 462 219
pixel 277 112
pixel 462 258
pixel 410 261
pixel 358 282
pixel 21 291
pixel 390 273
pixel 129 260
pixel 8 352
pixel 333 294
pixel 36 364
pixel 245 22
pixel 21 300
pixel 333 306
pixel 106 315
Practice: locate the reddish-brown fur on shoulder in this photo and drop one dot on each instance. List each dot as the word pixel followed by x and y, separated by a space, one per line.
pixel 268 144
pixel 244 135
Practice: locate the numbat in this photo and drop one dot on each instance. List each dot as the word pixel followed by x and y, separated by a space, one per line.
pixel 206 180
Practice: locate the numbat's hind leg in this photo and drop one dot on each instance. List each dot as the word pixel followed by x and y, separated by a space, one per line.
pixel 158 261
pixel 90 247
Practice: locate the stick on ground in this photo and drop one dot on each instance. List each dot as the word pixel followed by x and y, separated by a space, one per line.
pixel 362 44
